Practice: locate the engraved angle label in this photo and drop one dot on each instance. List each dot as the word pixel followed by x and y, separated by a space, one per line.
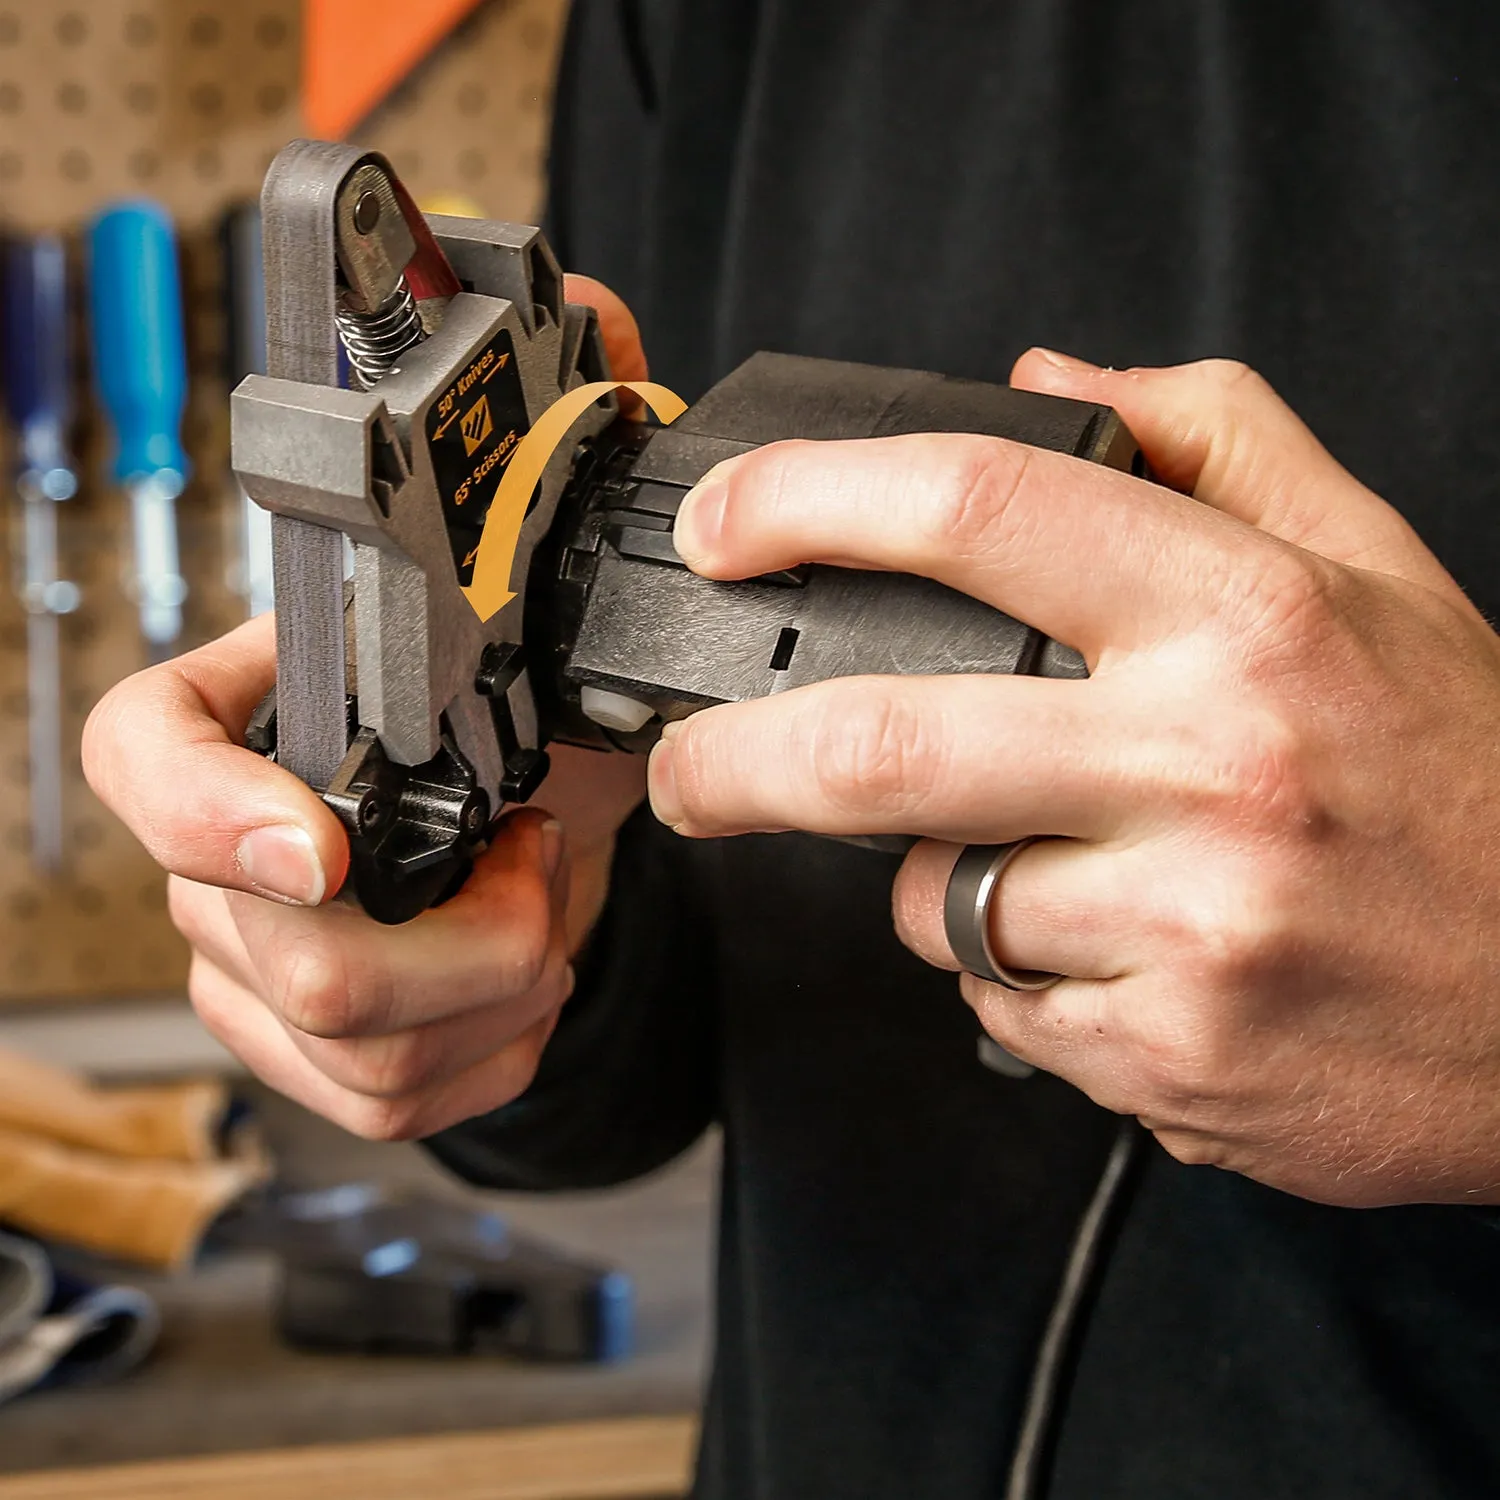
pixel 473 431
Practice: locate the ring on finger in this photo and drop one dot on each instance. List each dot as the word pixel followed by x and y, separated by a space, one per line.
pixel 972 887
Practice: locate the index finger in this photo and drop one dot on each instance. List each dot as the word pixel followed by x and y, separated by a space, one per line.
pixel 963 759
pixel 1217 431
pixel 1086 554
pixel 163 752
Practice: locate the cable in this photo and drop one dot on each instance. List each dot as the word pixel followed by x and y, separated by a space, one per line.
pixel 1029 1467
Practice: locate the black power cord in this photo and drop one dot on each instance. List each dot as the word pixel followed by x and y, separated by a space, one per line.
pixel 1030 1467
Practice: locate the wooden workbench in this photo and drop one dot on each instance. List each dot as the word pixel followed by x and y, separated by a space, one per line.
pixel 644 1459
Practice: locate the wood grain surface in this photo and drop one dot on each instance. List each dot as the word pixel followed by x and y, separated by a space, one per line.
pixel 644 1459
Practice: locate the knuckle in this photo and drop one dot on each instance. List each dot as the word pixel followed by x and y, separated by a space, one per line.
pixel 872 749
pixel 391 1068
pixel 1294 600
pixel 310 986
pixel 528 957
pixel 503 947
pixel 1188 1065
pixel 1233 375
pixel 418 1109
pixel 188 908
pixel 219 1004
pixel 386 1121
pixel 512 1069
pixel 973 501
pixel 771 471
pixel 1261 772
pixel 1193 1150
pixel 534 1048
pixel 105 727
pixel 913 913
pixel 1003 1026
pixel 698 754
pixel 206 996
pixel 135 711
pixel 93 731
pixel 522 1060
pixel 1234 936
pixel 761 483
pixel 1248 942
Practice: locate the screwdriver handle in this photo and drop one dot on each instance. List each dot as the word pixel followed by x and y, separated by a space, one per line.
pixel 140 354
pixel 35 354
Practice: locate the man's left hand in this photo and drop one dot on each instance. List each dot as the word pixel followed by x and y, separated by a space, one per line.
pixel 1271 813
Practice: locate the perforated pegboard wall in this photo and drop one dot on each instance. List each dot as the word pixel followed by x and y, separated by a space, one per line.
pixel 186 101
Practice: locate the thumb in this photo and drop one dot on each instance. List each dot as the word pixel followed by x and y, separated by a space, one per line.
pixel 1217 431
pixel 163 752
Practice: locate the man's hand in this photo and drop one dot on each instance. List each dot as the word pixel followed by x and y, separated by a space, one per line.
pixel 391 1032
pixel 1275 804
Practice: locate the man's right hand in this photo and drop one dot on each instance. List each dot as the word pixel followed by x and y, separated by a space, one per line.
pixel 392 1032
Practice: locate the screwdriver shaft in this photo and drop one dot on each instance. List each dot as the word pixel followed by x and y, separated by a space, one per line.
pixel 44 739
pixel 38 397
pixel 44 597
pixel 158 585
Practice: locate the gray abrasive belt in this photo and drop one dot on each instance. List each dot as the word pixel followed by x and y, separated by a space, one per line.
pixel 297 210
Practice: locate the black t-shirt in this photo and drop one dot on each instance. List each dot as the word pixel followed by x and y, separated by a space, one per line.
pixel 1313 187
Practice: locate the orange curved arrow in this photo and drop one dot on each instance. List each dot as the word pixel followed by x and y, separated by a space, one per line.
pixel 495 556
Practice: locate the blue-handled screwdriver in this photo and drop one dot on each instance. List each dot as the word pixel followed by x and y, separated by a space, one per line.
pixel 140 367
pixel 38 396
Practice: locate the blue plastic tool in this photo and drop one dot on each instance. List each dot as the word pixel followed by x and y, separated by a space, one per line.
pixel 140 366
pixel 38 375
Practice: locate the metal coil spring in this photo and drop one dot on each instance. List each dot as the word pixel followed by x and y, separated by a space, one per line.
pixel 375 341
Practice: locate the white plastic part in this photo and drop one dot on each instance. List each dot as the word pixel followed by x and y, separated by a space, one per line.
pixel 614 710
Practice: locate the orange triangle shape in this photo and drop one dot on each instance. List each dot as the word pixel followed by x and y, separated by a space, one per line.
pixel 356 51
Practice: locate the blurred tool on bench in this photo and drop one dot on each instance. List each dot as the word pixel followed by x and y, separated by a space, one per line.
pixel 370 1269
pixel 140 366
pixel 38 394
pixel 158 1174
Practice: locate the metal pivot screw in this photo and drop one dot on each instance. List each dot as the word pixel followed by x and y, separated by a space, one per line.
pixel 378 318
pixel 371 811
pixel 367 213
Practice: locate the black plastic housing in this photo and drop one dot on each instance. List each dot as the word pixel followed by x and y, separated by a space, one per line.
pixel 613 607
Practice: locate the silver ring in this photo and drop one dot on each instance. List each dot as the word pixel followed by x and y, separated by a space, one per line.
pixel 966 916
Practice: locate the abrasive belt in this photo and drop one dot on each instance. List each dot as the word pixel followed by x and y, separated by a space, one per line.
pixel 297 213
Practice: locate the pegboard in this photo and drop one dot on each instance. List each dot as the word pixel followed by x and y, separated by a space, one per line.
pixel 187 101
